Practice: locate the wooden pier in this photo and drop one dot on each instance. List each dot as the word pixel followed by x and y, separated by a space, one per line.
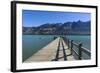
pixel 58 50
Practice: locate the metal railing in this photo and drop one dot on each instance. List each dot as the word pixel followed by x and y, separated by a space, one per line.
pixel 80 47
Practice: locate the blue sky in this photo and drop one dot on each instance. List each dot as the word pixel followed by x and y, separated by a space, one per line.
pixel 35 18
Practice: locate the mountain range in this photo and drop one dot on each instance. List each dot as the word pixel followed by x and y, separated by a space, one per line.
pixel 72 28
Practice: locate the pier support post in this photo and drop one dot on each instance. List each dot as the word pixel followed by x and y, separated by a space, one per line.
pixel 80 51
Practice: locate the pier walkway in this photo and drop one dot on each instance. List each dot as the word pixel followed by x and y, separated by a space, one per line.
pixel 57 50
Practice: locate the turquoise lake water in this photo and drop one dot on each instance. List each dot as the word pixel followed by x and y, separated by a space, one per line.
pixel 32 43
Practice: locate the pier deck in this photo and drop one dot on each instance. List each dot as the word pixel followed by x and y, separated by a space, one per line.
pixel 57 50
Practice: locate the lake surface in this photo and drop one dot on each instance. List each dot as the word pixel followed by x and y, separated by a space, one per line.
pixel 32 43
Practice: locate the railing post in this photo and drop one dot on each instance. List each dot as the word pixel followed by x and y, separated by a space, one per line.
pixel 71 47
pixel 80 51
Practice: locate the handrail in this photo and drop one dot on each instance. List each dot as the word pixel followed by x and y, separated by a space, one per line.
pixel 88 52
pixel 79 46
pixel 75 52
pixel 75 44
